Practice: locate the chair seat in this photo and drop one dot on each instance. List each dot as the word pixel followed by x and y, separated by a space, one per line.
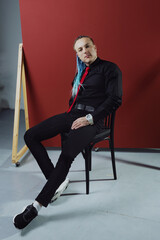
pixel 102 135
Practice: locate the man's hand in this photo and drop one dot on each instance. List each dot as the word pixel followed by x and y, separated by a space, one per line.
pixel 79 122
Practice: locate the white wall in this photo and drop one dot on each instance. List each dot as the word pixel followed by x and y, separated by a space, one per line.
pixel 10 37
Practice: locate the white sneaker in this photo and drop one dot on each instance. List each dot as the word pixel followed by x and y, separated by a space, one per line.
pixel 60 190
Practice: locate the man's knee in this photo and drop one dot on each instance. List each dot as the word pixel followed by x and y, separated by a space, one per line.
pixel 28 136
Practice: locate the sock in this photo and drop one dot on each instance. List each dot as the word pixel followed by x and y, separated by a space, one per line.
pixel 37 206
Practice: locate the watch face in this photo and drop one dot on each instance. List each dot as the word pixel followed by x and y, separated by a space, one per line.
pixel 89 118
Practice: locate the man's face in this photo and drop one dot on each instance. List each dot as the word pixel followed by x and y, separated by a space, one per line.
pixel 86 50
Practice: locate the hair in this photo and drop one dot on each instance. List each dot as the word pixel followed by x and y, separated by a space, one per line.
pixel 80 67
pixel 82 36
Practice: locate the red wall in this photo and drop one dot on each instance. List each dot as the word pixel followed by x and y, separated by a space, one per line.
pixel 125 32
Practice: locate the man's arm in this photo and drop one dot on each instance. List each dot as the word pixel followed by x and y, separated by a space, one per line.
pixel 113 92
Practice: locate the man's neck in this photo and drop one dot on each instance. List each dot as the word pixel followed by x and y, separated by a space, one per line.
pixel 88 64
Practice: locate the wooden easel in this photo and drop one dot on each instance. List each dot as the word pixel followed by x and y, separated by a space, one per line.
pixel 21 81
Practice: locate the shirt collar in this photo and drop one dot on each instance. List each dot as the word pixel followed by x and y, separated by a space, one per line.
pixel 94 63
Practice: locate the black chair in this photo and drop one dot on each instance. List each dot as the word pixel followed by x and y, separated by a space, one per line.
pixel 106 134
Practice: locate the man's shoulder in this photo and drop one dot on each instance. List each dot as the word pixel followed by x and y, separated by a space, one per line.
pixel 108 64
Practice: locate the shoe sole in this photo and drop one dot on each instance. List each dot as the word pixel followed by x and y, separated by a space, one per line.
pixel 16 216
pixel 58 194
pixel 24 219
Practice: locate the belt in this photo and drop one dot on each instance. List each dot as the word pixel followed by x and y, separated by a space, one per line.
pixel 84 107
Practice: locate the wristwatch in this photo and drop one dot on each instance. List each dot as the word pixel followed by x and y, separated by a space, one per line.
pixel 89 118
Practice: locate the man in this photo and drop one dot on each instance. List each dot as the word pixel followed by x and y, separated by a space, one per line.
pixel 96 92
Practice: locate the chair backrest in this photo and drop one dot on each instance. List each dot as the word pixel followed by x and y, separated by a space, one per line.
pixel 107 132
pixel 109 123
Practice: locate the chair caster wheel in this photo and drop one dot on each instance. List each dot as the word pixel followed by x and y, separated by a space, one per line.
pixel 17 164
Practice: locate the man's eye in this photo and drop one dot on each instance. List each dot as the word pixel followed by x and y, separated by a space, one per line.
pixel 80 49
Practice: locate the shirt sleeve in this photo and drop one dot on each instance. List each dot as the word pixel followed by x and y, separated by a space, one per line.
pixel 113 93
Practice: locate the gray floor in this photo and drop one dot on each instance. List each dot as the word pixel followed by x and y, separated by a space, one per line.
pixel 127 209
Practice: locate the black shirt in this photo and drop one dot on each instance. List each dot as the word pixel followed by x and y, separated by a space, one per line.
pixel 102 88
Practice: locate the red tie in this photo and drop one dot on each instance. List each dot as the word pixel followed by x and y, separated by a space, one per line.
pixel 82 80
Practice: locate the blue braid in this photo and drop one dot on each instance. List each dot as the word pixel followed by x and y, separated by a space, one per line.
pixel 80 67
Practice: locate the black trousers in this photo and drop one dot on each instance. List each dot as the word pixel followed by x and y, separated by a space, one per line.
pixel 72 145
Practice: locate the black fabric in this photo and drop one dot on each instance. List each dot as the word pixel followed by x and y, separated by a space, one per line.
pixel 74 143
pixel 102 88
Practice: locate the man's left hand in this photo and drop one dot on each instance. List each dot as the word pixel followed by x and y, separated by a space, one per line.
pixel 79 122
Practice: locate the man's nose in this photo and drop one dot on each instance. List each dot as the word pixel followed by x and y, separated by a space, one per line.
pixel 84 50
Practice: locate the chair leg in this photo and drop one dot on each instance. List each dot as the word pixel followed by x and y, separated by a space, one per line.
pixel 89 158
pixel 113 159
pixel 87 167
